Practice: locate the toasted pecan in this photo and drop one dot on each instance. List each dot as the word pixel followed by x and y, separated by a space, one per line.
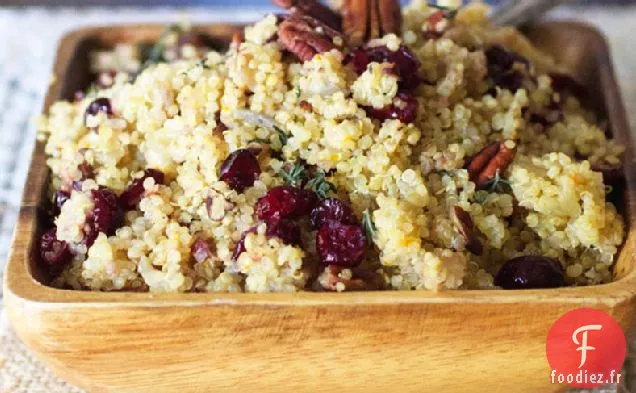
pixel 494 159
pixel 305 36
pixel 363 20
pixel 464 225
pixel 313 8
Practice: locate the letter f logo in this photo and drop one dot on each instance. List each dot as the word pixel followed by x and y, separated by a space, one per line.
pixel 583 344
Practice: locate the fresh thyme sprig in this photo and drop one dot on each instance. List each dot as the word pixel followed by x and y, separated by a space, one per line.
pixel 156 52
pixel 320 185
pixel 450 12
pixel 499 185
pixel 282 135
pixel 369 226
pixel 295 176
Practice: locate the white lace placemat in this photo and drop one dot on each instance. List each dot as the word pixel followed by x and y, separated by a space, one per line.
pixel 28 44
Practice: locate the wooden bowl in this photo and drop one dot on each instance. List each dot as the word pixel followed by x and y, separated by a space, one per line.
pixel 410 341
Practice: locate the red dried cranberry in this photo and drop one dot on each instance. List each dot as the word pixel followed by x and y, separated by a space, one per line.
pixel 86 170
pixel 285 202
pixel 340 244
pixel 54 252
pixel 332 209
pixel 200 250
pixel 406 63
pixel 565 84
pixel 99 105
pixel 135 191
pixel 530 272
pixel 107 214
pixel 404 108
pixel 285 230
pixel 240 170
pixel 500 68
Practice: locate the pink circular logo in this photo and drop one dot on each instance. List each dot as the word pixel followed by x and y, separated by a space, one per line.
pixel 586 348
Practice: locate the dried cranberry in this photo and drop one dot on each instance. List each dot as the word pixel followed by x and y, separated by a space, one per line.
pixel 332 209
pixel 54 252
pixel 285 202
pixel 60 199
pixel 565 84
pixel 530 272
pixel 87 171
pixel 240 170
pixel 135 191
pixel 500 68
pixel 404 108
pixel 340 244
pixel 406 63
pixel 200 250
pixel 107 214
pixel 99 105
pixel 285 230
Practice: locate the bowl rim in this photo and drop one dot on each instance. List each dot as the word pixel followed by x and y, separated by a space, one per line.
pixel 20 284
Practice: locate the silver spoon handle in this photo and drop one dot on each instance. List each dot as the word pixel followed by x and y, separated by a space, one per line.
pixel 520 12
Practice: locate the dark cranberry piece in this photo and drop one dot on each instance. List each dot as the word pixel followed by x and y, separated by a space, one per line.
pixel 135 191
pixel 404 108
pixel 54 252
pixel 99 105
pixel 564 84
pixel 530 272
pixel 285 230
pixel 500 68
pixel 60 199
pixel 87 171
pixel 285 202
pixel 406 63
pixel 612 174
pixel 200 250
pixel 107 214
pixel 332 209
pixel 340 244
pixel 240 170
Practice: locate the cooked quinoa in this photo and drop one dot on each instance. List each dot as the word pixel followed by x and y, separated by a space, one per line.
pixel 183 117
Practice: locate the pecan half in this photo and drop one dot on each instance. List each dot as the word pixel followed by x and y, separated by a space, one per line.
pixel 305 36
pixel 361 280
pixel 464 225
pixel 363 20
pixel 313 8
pixel 490 162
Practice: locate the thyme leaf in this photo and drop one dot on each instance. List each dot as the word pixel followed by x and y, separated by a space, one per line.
pixel 369 226
pixel 295 176
pixel 156 51
pixel 320 185
pixel 499 185
pixel 282 136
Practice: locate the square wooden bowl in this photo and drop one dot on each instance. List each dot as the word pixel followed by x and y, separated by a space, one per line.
pixel 410 341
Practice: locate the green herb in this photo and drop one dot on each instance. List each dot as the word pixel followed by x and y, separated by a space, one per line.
pixel 297 92
pixel 295 176
pixel 480 197
pixel 202 63
pixel 282 136
pixel 258 140
pixel 369 226
pixel 450 12
pixel 609 189
pixel 499 185
pixel 156 52
pixel 320 185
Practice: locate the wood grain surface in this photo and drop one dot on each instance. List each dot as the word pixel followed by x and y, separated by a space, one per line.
pixel 408 341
